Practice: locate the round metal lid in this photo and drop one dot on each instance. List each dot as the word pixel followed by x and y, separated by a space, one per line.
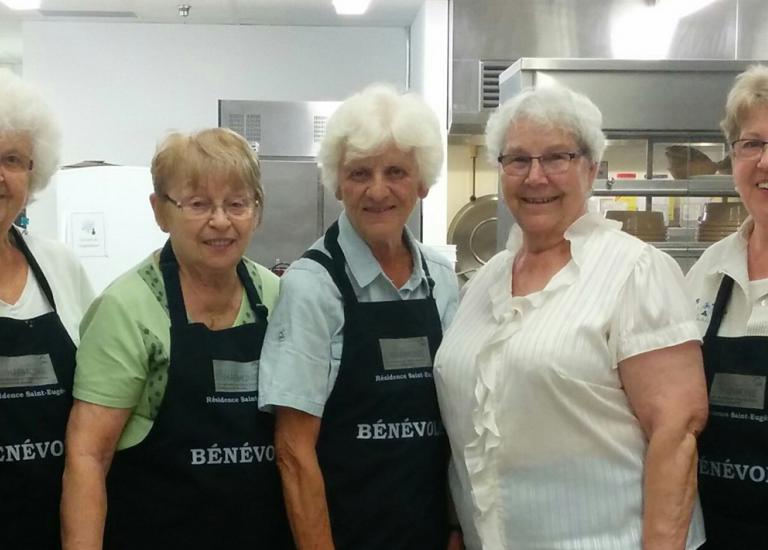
pixel 473 231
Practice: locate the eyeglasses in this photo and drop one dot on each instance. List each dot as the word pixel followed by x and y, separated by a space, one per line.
pixel 15 162
pixel 749 148
pixel 201 209
pixel 551 163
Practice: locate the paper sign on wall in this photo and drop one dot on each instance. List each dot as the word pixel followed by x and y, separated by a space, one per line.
pixel 86 234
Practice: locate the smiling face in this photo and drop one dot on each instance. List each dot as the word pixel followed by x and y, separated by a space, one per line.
pixel 215 243
pixel 14 185
pixel 751 175
pixel 379 193
pixel 545 205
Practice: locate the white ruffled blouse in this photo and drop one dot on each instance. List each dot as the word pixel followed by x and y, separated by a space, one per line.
pixel 547 453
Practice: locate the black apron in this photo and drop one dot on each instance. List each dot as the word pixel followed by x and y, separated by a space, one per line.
pixel 733 449
pixel 37 366
pixel 205 476
pixel 381 447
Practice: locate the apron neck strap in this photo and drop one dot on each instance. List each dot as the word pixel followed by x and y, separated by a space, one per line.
pixel 16 238
pixel 718 310
pixel 336 267
pixel 169 267
pixel 331 242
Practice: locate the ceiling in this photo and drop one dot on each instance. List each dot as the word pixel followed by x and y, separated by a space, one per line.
pixel 248 12
pixel 381 13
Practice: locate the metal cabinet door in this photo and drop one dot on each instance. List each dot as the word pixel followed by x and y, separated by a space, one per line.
pixel 291 218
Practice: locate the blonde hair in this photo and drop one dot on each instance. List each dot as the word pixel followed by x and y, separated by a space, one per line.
pixel 376 117
pixel 189 159
pixel 749 91
pixel 24 111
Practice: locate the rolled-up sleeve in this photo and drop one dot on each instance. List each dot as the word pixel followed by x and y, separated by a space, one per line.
pixel 295 366
pixel 656 310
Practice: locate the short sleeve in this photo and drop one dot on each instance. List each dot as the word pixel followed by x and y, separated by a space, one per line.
pixel 295 361
pixel 112 360
pixel 655 310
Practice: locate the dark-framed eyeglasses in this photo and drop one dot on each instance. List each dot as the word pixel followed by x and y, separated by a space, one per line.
pixel 551 163
pixel 748 148
pixel 203 209
pixel 16 162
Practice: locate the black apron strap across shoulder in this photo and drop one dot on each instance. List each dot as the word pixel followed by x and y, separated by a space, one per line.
pixel 430 280
pixel 250 289
pixel 169 267
pixel 718 310
pixel 33 265
pixel 334 264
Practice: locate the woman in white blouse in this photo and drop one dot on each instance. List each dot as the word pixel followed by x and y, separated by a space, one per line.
pixel 570 382
pixel 730 285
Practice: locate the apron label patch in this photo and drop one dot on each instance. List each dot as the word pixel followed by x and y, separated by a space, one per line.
pixel 405 353
pixel 27 371
pixel 245 454
pixel 738 390
pixel 235 377
pixel 30 450
pixel 728 470
pixel 407 429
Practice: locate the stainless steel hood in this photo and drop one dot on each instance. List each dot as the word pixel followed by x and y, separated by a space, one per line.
pixel 487 37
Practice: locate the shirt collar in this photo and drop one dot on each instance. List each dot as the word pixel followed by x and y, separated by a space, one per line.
pixel 733 259
pixel 364 267
pixel 577 233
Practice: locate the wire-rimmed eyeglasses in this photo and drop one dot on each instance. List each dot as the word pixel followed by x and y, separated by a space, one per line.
pixel 551 163
pixel 199 209
pixel 15 162
pixel 748 148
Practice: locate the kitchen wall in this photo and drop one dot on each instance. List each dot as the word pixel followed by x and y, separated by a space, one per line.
pixel 118 88
pixel 429 77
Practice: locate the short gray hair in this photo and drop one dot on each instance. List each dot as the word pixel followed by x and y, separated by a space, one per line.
pixel 23 110
pixel 374 118
pixel 749 91
pixel 551 106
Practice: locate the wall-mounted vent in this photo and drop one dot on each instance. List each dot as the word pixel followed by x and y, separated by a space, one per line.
pixel 236 123
pixel 319 128
pixel 248 126
pixel 253 128
pixel 88 13
pixel 489 82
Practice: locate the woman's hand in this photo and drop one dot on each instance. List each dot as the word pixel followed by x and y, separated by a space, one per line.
pixel 667 391
pixel 92 435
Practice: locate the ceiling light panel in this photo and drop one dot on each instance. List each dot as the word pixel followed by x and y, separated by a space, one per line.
pixel 351 7
pixel 22 4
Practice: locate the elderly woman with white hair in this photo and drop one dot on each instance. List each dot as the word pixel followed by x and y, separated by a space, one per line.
pixel 43 295
pixel 570 381
pixel 347 360
pixel 730 288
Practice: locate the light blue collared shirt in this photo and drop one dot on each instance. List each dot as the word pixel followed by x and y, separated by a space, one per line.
pixel 302 348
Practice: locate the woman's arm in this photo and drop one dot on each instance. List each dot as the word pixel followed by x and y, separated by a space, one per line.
pixel 303 486
pixel 667 391
pixel 92 435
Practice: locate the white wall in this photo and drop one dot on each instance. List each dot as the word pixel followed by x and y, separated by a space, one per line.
pixel 117 88
pixel 429 77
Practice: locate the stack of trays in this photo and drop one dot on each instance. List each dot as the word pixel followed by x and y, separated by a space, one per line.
pixel 648 226
pixel 720 219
